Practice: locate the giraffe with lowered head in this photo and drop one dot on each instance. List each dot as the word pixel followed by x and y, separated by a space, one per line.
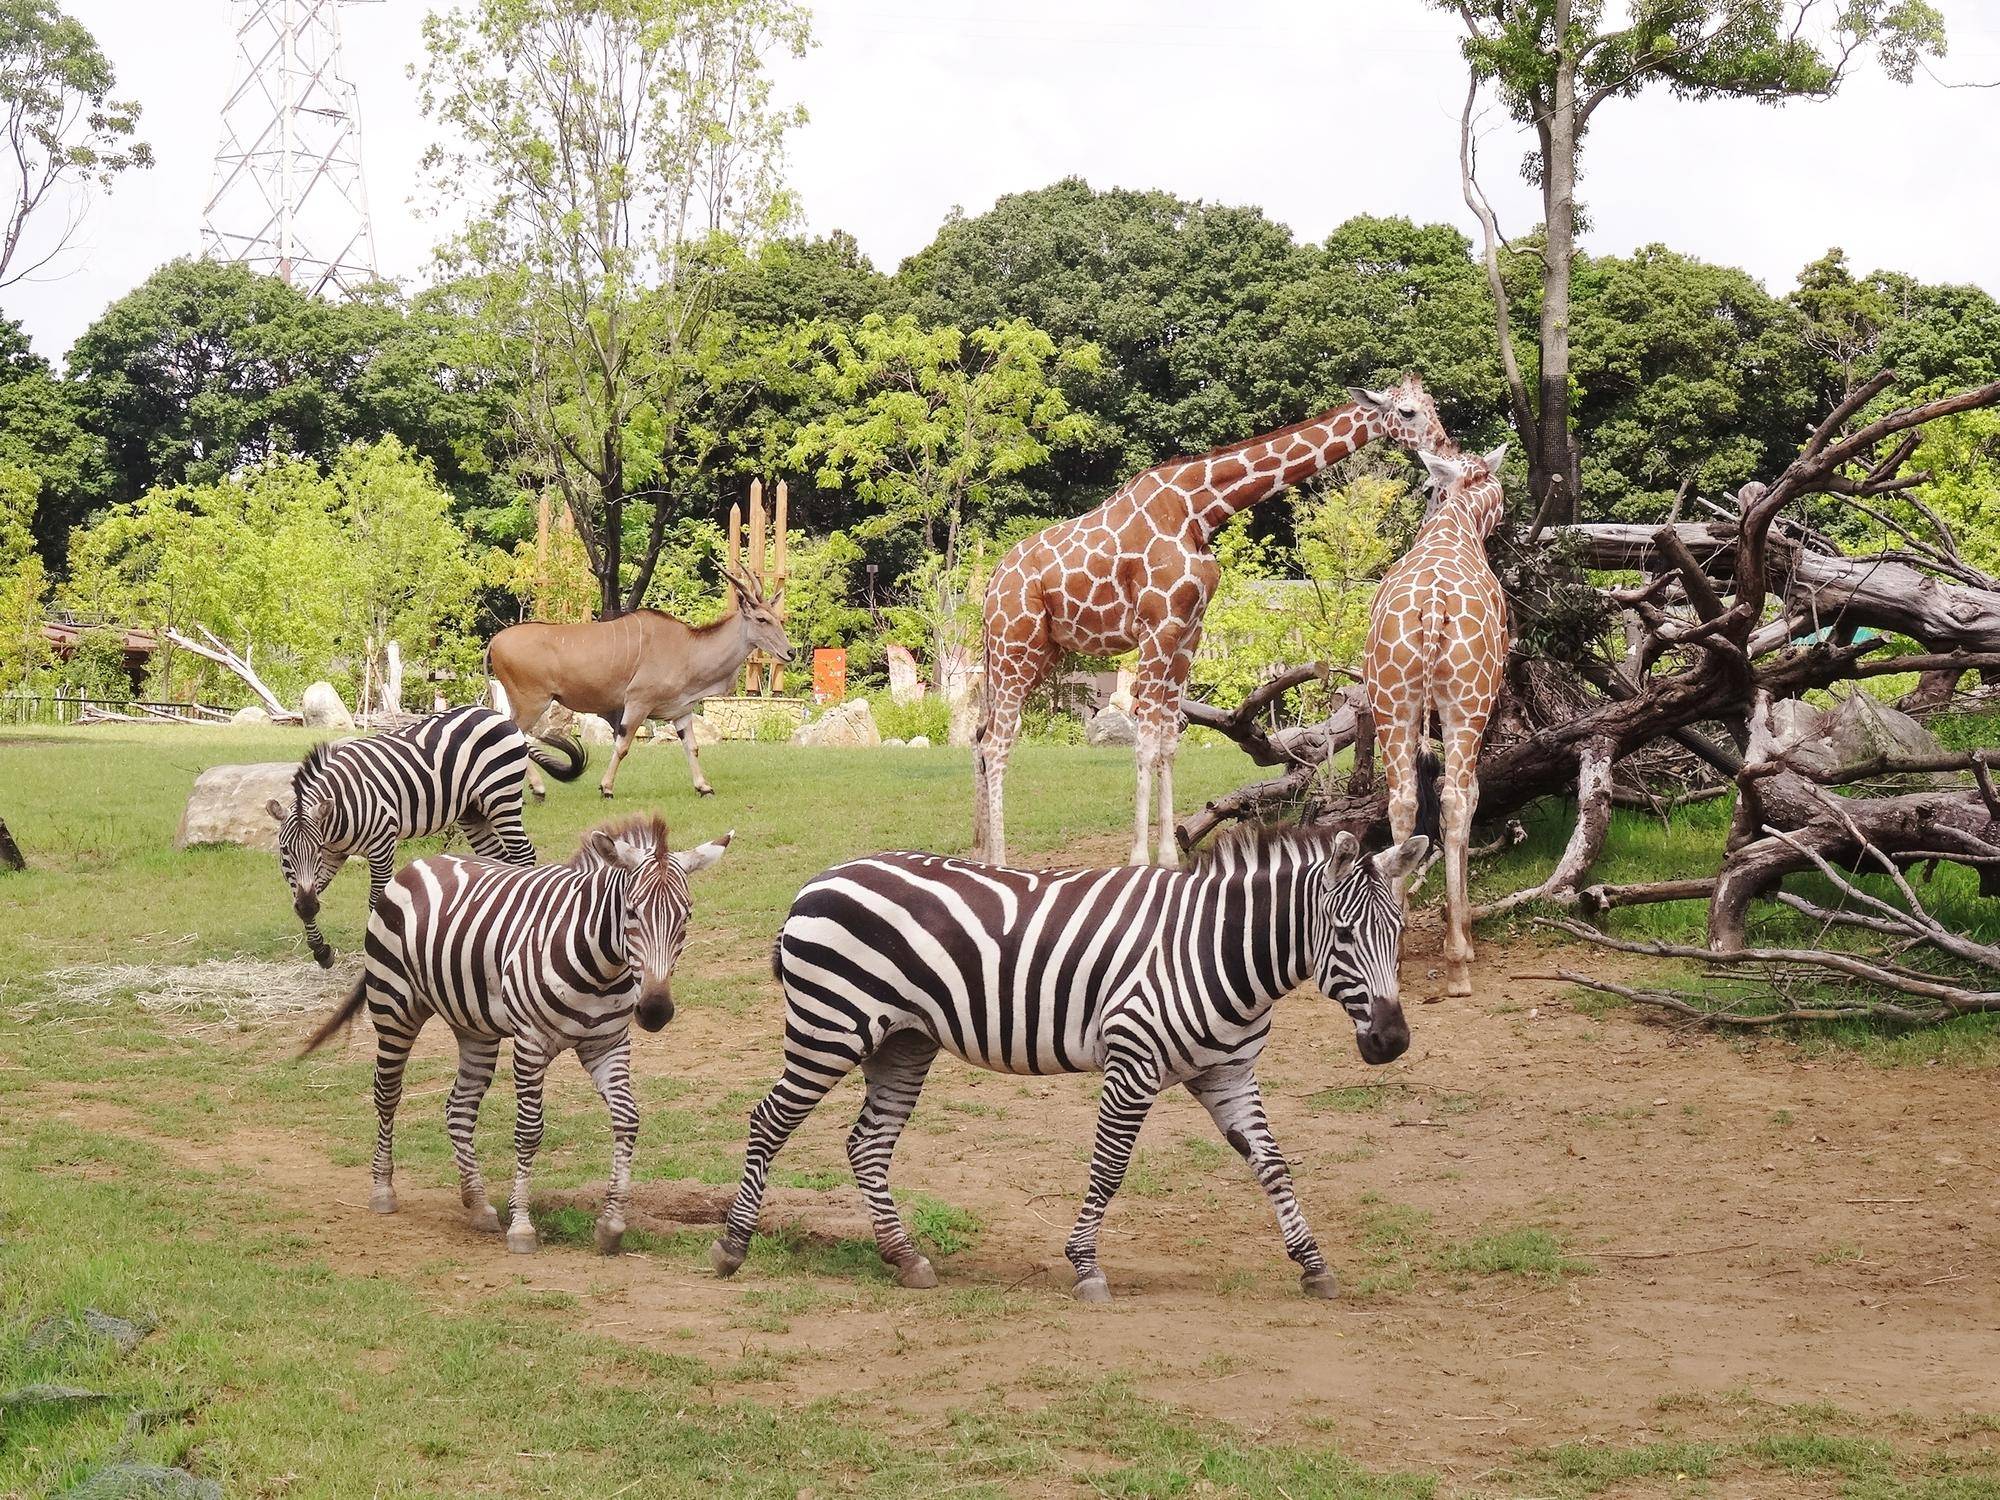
pixel 1437 643
pixel 1137 573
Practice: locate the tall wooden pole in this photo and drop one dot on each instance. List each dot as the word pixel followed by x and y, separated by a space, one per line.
pixel 542 555
pixel 779 569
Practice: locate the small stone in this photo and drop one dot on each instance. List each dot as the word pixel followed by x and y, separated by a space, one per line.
pixel 920 742
pixel 1661 1100
pixel 1111 726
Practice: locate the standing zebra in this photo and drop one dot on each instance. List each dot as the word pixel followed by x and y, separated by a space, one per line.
pixel 1152 976
pixel 552 958
pixel 360 796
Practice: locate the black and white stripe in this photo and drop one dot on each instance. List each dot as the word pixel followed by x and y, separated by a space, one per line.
pixel 358 797
pixel 555 958
pixel 1152 976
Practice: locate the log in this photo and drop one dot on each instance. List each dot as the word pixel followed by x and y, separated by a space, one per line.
pixel 222 656
pixel 1586 841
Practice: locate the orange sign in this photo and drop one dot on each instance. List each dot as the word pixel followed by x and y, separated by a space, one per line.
pixel 829 674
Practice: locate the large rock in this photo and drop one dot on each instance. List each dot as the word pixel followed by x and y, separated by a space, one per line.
pixel 227 805
pixel 964 704
pixel 1112 726
pixel 592 730
pixel 705 733
pixel 251 717
pixel 1824 742
pixel 920 742
pixel 905 685
pixel 321 708
pixel 849 725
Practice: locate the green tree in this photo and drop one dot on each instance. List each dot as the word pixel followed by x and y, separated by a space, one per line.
pixel 22 581
pixel 42 433
pixel 205 369
pixel 932 428
pixel 1555 63
pixel 64 131
pixel 599 149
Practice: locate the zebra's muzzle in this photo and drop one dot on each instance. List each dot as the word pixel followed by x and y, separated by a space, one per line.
pixel 654 1011
pixel 306 904
pixel 1386 1039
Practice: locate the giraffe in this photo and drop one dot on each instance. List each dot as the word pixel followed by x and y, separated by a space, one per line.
pixel 1137 573
pixel 1437 642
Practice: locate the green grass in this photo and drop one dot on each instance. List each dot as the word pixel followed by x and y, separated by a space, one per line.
pixel 1513 1252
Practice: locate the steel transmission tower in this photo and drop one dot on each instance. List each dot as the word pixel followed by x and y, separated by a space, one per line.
pixel 288 195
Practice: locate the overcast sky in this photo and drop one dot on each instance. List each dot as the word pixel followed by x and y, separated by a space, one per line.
pixel 1314 110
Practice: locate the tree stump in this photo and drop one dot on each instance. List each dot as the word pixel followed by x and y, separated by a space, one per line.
pixel 10 852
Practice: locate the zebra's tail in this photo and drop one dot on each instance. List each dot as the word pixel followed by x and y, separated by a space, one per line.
pixel 571 751
pixel 778 957
pixel 349 1008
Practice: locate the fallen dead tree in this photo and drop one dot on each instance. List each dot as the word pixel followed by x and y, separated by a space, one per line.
pixel 1752 608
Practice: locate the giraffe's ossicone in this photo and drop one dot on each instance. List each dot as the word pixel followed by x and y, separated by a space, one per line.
pixel 1136 574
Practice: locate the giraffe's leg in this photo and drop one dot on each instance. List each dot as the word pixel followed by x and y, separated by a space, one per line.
pixel 1012 673
pixel 1145 760
pixel 895 1073
pixel 1128 1095
pixel 609 1064
pixel 1459 799
pixel 684 727
pixel 810 1072
pixel 477 1057
pixel 1398 739
pixel 531 1066
pixel 1233 1100
pixel 1170 740
pixel 632 717
pixel 1156 706
pixel 395 1034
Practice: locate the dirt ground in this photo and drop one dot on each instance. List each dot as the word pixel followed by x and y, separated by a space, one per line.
pixel 1764 1225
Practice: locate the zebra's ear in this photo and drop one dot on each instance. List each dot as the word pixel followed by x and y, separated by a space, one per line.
pixel 1393 863
pixel 606 846
pixel 701 856
pixel 275 810
pixel 1345 850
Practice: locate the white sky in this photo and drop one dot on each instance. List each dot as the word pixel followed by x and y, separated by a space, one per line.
pixel 1314 110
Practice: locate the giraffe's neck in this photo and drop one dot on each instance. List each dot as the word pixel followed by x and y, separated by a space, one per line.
pixel 1477 512
pixel 1220 484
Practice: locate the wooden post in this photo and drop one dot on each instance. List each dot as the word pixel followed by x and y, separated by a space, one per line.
pixel 779 571
pixel 542 555
pixel 753 670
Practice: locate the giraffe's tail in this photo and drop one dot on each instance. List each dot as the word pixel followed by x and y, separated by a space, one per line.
pixel 1430 806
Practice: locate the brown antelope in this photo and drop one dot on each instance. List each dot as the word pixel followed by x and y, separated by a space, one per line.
pixel 643 665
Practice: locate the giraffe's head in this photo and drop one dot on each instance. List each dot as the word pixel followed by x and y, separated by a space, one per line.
pixel 1469 482
pixel 1357 938
pixel 1404 414
pixel 656 903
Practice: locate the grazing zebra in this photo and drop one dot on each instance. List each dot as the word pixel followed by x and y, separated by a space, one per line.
pixel 1151 976
pixel 360 796
pixel 552 958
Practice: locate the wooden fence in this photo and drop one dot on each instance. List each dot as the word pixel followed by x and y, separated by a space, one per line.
pixel 58 708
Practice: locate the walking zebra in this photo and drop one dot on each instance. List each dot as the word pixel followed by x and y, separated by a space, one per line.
pixel 1152 976
pixel 552 958
pixel 360 796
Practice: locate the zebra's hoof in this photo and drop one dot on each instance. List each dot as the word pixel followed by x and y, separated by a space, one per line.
pixel 610 1236
pixel 725 1258
pixel 916 1273
pixel 382 1198
pixel 1320 1284
pixel 484 1218
pixel 523 1241
pixel 1092 1288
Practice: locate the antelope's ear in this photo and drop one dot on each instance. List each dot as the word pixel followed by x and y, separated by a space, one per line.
pixel 778 598
pixel 701 856
pixel 1367 397
pixel 1398 860
pixel 1494 459
pixel 277 812
pixel 1441 470
pixel 1346 849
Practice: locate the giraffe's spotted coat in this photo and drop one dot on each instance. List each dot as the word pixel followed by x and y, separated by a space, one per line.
pixel 1437 642
pixel 1137 573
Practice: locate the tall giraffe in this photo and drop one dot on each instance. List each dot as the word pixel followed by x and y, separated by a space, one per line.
pixel 1437 642
pixel 1137 572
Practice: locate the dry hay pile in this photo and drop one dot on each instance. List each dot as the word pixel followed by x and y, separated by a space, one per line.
pixel 220 993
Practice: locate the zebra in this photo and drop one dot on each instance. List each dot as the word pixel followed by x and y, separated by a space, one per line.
pixel 1151 976
pixel 360 796
pixel 563 956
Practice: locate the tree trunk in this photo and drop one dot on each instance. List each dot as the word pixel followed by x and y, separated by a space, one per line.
pixel 1551 466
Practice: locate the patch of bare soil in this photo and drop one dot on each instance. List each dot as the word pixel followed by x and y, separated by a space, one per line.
pixel 1803 1230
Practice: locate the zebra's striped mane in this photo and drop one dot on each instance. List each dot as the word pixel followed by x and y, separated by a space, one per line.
pixel 312 767
pixel 1242 845
pixel 649 829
